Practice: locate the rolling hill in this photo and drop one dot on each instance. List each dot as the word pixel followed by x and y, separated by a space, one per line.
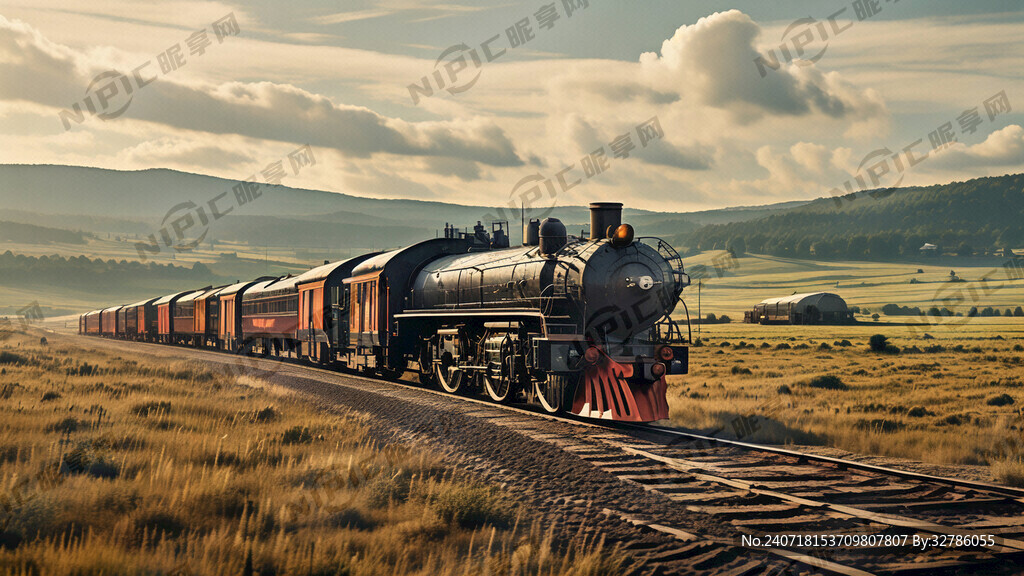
pixel 135 203
pixel 983 214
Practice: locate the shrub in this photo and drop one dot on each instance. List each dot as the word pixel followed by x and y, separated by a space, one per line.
pixel 784 389
pixel 385 489
pixel 917 412
pixel 827 382
pixel 879 343
pixel 7 357
pixel 824 346
pixel 296 435
pixel 1009 472
pixel 146 408
pixel 1000 400
pixel 471 506
pixel 268 414
pixel 739 371
pixel 51 395
pixel 66 426
pixel 782 346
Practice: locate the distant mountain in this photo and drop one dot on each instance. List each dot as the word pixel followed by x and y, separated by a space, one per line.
pixel 32 234
pixel 960 217
pixel 136 203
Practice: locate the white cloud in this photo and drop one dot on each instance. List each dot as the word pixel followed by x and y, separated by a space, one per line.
pixel 714 59
pixel 1002 148
pixel 39 71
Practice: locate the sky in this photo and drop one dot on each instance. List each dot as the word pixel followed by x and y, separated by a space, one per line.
pixel 659 104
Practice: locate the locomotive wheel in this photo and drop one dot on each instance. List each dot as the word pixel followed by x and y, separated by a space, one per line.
pixel 553 393
pixel 501 387
pixel 450 380
pixel 426 365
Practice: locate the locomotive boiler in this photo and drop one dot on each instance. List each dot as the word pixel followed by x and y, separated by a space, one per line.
pixel 580 324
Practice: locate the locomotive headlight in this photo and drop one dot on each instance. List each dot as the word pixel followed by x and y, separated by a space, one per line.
pixel 623 236
pixel 592 355
pixel 658 370
pixel 665 354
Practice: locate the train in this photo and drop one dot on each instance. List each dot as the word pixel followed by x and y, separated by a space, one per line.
pixel 573 324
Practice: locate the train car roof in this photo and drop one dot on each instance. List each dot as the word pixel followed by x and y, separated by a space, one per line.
pixel 142 303
pixel 93 313
pixel 280 286
pixel 112 309
pixel 212 292
pixel 443 246
pixel 169 297
pixel 189 297
pixel 258 288
pixel 321 272
pixel 235 288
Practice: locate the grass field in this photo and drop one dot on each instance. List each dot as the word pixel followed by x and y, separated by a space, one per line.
pixel 110 465
pixel 954 399
pixel 731 286
pixel 951 396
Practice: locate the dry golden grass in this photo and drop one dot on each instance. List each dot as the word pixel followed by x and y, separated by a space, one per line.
pixel 112 465
pixel 960 404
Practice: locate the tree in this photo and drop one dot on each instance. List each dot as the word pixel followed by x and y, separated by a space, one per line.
pixel 878 342
pixel 1018 312
pixel 875 317
pixel 964 249
pixel 738 246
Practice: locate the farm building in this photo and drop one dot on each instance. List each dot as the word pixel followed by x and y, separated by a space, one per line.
pixel 814 308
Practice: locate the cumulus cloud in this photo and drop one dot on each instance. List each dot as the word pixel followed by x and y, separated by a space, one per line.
pixel 39 71
pixel 181 153
pixel 1003 147
pixel 714 59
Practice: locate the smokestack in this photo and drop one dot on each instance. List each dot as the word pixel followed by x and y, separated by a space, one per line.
pixel 531 233
pixel 603 215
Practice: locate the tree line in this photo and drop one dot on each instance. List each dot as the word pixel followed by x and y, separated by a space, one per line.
pixel 980 216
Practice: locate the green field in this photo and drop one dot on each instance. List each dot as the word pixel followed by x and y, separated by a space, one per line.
pixel 745 281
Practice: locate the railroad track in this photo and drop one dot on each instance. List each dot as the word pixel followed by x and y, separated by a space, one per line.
pixel 730 507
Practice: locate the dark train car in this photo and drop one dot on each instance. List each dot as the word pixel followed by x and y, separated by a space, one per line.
pixel 270 315
pixel 110 322
pixel 184 309
pixel 140 321
pixel 206 320
pixel 377 290
pixel 324 309
pixel 93 321
pixel 165 316
pixel 229 319
pixel 81 324
pixel 127 331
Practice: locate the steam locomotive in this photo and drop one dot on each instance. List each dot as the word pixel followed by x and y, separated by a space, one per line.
pixel 569 323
